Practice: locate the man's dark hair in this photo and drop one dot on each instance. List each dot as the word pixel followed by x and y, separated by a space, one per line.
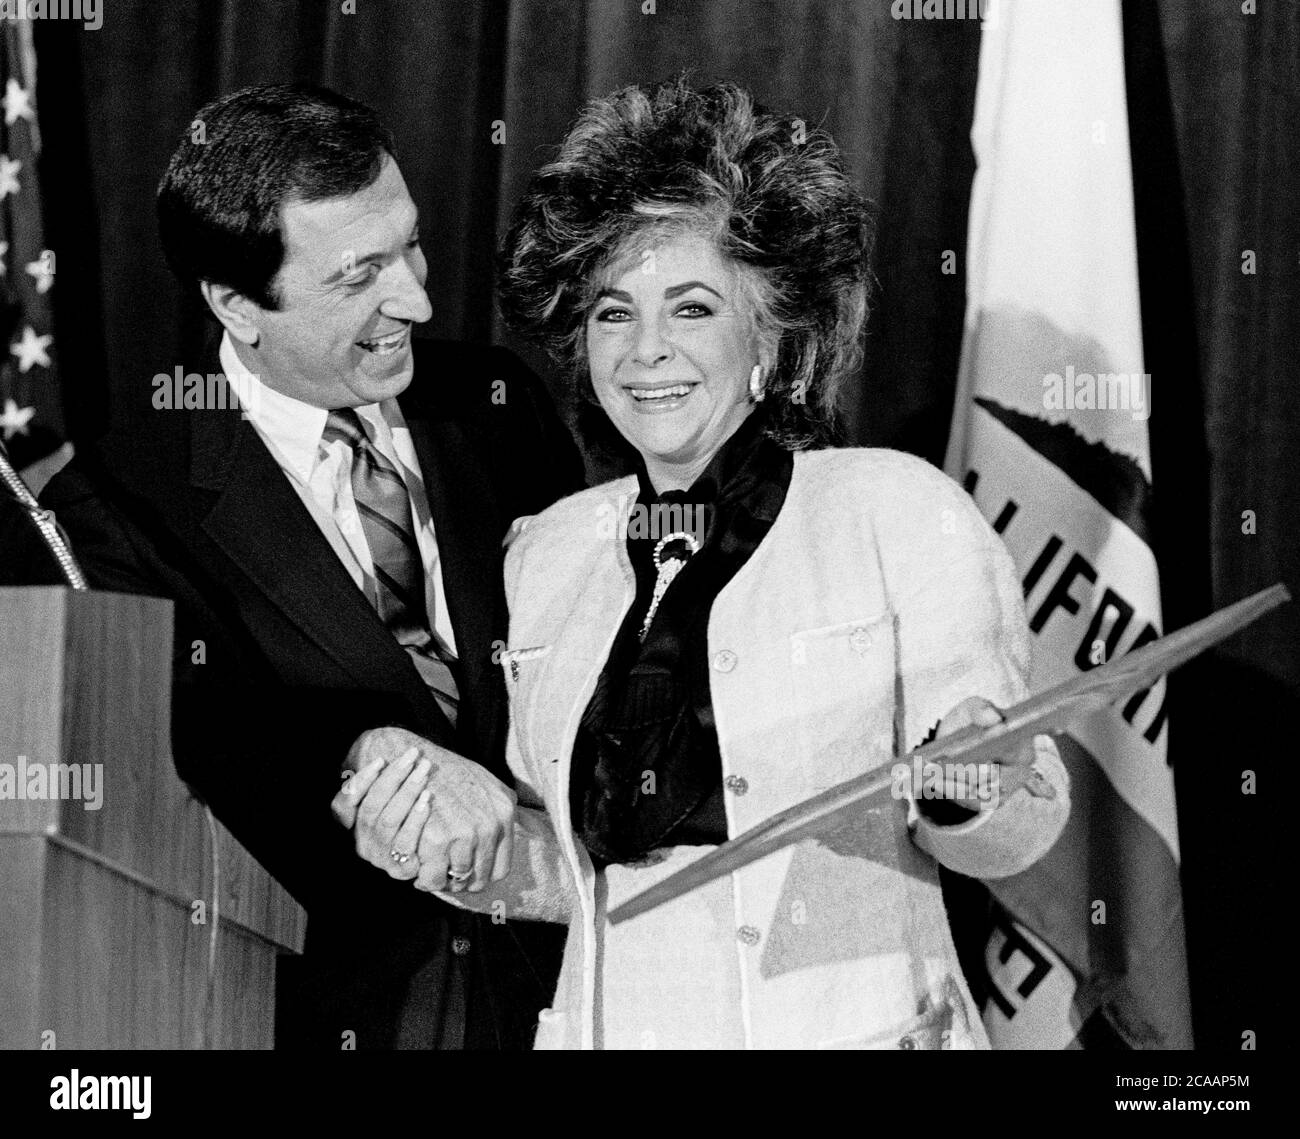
pixel 241 159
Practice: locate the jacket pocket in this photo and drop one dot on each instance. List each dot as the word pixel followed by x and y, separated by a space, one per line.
pixel 523 668
pixel 513 661
pixel 940 1026
pixel 843 686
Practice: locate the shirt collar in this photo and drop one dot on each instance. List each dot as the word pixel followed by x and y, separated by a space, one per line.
pixel 293 428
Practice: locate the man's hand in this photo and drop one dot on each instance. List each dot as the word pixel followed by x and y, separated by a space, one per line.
pixel 1002 777
pixel 419 809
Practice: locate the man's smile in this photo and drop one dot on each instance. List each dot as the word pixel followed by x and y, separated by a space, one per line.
pixel 386 345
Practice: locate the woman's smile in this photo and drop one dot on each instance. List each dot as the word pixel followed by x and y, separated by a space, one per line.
pixel 660 398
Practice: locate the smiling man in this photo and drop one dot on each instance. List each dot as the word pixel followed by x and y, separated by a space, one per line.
pixel 333 547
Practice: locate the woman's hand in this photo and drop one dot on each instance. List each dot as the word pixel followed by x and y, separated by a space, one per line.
pixel 981 786
pixel 418 809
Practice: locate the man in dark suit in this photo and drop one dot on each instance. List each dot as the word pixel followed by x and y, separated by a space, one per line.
pixel 332 540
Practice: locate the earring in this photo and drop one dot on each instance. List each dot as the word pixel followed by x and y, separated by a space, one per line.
pixel 756 391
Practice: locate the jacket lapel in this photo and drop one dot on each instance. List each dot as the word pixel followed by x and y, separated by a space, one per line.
pixel 259 521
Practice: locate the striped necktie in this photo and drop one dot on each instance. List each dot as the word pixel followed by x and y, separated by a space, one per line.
pixel 384 507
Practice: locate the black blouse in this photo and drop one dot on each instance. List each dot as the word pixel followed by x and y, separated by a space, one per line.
pixel 646 768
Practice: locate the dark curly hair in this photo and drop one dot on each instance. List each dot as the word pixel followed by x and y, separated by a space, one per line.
pixel 647 163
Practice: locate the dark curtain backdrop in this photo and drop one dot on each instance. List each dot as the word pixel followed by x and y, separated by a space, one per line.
pixel 1214 97
pixel 897 97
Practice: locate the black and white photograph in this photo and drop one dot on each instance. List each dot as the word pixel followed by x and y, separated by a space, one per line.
pixel 645 525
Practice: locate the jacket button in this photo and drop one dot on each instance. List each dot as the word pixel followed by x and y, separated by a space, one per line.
pixel 724 661
pixel 460 946
pixel 748 935
pixel 907 1044
pixel 860 641
pixel 737 784
pixel 651 858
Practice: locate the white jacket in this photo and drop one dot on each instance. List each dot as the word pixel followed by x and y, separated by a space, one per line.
pixel 878 601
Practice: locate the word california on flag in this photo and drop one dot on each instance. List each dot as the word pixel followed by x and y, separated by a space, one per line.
pixel 1050 437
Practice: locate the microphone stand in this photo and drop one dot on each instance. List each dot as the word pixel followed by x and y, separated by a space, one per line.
pixel 43 520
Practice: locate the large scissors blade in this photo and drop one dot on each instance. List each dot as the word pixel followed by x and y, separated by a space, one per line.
pixel 1047 712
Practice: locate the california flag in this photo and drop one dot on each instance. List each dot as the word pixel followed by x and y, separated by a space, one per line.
pixel 1050 436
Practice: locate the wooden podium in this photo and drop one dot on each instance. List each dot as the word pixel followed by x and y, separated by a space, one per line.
pixel 107 915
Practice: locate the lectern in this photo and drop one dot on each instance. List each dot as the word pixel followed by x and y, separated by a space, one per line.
pixel 135 921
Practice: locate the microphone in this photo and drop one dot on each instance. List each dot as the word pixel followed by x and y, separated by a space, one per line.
pixel 55 540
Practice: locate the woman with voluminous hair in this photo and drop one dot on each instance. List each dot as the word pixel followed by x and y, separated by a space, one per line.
pixel 749 618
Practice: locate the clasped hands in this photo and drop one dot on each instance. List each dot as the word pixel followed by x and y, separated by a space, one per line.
pixel 421 812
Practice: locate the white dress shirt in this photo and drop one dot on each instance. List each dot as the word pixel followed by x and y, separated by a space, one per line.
pixel 322 476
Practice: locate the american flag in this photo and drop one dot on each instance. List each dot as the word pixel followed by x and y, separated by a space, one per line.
pixel 31 413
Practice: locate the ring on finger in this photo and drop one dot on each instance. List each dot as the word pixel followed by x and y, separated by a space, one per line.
pixel 460 875
pixel 400 858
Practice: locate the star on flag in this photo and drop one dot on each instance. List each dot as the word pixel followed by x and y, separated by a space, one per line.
pixel 9 168
pixel 31 349
pixel 31 396
pixel 14 419
pixel 43 271
pixel 17 103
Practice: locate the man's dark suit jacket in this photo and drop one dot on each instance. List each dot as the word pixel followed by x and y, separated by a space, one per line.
pixel 296 664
